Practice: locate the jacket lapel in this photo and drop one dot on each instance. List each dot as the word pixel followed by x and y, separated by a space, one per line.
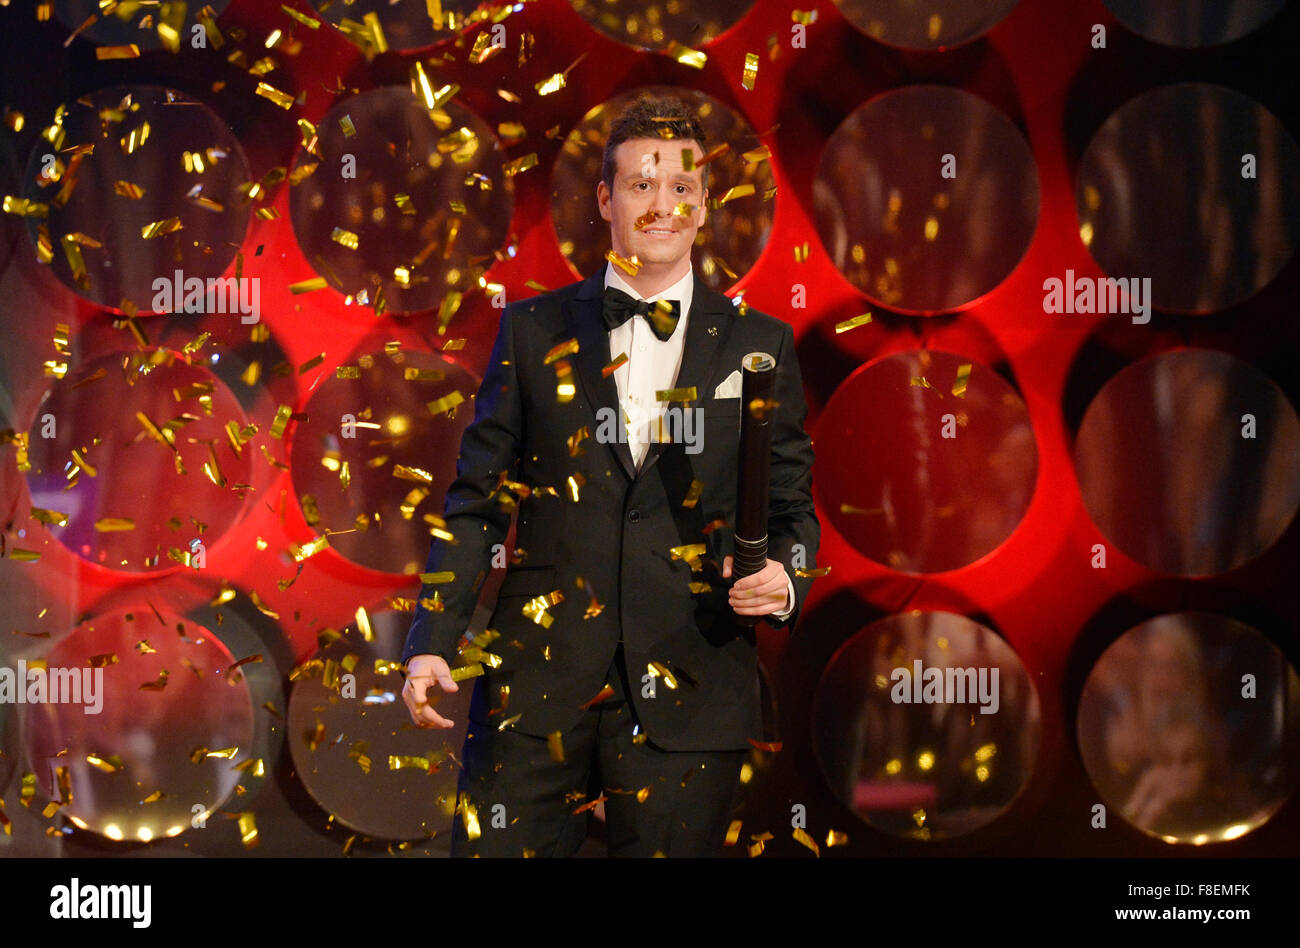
pixel 707 326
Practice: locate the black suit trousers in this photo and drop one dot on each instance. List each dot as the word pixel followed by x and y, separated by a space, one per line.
pixel 516 799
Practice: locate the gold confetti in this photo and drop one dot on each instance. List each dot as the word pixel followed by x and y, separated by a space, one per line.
pixel 248 830
pixel 135 139
pixel 446 403
pixel 738 191
pixel 102 661
pixel 302 18
pixel 613 365
pixel 158 684
pixel 467 671
pixel 106 764
pixel 801 252
pixel 687 394
pixel 733 833
pixel 693 494
pixel 568 347
pixel 128 190
pixel 836 838
pixel 603 694
pixel 555 745
pixel 518 165
pixel 963 376
pixel 629 265
pixel 643 794
pixel 853 323
pixel 345 238
pixel 812 573
pixel 686 56
pixel 161 228
pixel 751 71
pixel 801 836
pixel 114 524
pixel 281 420
pixel 50 517
pixel 445 576
pixel 282 99
pixel 920 381
pixel 307 286
pixel 659 670
pixel 129 51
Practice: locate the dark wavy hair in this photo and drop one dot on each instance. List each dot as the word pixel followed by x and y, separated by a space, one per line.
pixel 647 117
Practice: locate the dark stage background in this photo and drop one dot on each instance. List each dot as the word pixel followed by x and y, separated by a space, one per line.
pixel 979 456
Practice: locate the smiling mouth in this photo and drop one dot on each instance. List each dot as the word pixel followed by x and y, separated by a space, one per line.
pixel 659 231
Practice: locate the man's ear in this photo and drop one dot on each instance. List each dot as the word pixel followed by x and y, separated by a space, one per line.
pixel 602 199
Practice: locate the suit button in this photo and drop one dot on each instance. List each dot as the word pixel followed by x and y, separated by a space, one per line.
pixel 634 515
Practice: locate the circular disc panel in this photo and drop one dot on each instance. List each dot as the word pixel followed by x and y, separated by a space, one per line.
pixel 926 725
pixel 1189 727
pixel 926 198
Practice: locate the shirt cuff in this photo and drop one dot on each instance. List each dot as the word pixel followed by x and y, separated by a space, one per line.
pixel 789 591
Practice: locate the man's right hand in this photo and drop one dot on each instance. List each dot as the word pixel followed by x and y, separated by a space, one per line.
pixel 422 672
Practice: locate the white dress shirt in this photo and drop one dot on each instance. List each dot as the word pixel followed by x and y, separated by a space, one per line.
pixel 652 365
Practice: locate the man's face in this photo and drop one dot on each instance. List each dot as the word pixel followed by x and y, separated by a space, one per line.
pixel 644 187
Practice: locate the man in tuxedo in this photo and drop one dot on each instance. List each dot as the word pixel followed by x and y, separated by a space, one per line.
pixel 614 668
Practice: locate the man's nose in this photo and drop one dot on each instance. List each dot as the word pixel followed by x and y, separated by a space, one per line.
pixel 665 201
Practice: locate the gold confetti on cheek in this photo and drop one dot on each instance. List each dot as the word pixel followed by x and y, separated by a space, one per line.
pixel 102 661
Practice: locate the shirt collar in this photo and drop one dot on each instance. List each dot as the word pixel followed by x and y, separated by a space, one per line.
pixel 683 289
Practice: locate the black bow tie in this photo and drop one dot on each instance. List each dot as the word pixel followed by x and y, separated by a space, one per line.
pixel 618 308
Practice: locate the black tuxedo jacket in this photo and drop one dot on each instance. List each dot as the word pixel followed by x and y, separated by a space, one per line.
pixel 618 534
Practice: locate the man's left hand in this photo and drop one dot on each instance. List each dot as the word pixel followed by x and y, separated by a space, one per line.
pixel 760 593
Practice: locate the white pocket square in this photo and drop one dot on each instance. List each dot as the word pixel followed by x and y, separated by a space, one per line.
pixel 730 387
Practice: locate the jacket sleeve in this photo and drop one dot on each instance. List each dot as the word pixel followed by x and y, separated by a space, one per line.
pixel 475 517
pixel 793 531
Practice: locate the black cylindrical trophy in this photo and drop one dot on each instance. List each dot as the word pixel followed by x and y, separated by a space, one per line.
pixel 758 378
